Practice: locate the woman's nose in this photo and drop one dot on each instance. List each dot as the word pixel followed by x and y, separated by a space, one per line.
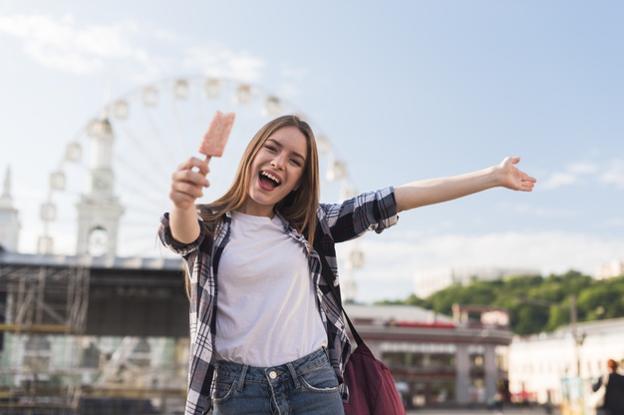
pixel 278 162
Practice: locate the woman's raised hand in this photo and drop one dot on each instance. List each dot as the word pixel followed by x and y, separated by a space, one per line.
pixel 187 183
pixel 511 177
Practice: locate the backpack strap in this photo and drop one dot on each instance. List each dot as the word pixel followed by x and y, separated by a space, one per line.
pixel 356 335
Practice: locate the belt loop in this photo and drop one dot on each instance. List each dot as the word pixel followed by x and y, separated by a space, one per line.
pixel 293 374
pixel 241 379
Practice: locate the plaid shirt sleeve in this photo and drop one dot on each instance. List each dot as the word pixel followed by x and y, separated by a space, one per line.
pixel 177 247
pixel 368 211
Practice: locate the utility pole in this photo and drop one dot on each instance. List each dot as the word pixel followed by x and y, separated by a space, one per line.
pixel 578 340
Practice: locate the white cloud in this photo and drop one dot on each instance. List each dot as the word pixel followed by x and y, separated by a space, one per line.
pixel 609 172
pixel 219 61
pixel 614 174
pixel 68 46
pixel 582 168
pixel 64 45
pixel 544 212
pixel 617 222
pixel 558 180
pixel 396 262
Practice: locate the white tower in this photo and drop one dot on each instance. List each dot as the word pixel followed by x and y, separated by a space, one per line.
pixel 99 210
pixel 355 261
pixel 9 221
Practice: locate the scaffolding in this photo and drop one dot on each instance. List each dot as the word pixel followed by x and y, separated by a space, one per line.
pixel 55 360
pixel 44 299
pixel 39 300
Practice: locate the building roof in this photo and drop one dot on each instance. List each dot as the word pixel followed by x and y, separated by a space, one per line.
pixel 15 258
pixel 405 313
pixel 609 326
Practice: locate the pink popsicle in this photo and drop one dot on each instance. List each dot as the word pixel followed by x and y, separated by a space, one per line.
pixel 217 135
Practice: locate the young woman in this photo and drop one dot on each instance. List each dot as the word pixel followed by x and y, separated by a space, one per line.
pixel 267 335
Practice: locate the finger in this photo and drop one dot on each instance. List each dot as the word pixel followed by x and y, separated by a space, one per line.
pixel 187 188
pixel 191 177
pixel 527 186
pixel 182 196
pixel 181 199
pixel 192 162
pixel 525 176
pixel 515 159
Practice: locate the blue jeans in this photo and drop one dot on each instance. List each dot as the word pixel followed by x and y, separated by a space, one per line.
pixel 306 386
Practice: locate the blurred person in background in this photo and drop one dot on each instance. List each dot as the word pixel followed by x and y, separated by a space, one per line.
pixel 612 386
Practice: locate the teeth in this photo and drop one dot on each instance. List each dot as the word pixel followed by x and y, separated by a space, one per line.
pixel 270 176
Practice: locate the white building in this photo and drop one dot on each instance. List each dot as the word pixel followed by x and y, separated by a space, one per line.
pixel 537 364
pixel 9 220
pixel 610 269
pixel 99 210
pixel 437 360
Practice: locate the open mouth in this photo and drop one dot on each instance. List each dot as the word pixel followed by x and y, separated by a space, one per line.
pixel 268 181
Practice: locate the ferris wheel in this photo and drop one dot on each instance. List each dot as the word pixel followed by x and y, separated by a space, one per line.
pixel 111 183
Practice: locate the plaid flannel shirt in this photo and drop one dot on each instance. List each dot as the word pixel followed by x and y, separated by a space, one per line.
pixel 336 223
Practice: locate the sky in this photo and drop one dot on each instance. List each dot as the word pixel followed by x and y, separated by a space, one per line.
pixel 403 90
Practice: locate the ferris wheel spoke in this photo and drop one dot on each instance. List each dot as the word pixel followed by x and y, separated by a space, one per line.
pixel 181 128
pixel 198 107
pixel 141 209
pixel 159 136
pixel 144 151
pixel 143 224
pixel 142 194
pixel 139 195
pixel 137 174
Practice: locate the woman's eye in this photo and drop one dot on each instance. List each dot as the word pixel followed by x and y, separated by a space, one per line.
pixel 270 148
pixel 295 162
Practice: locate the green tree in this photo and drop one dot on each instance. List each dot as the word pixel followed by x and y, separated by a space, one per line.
pixel 535 303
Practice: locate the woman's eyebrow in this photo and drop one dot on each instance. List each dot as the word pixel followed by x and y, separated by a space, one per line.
pixel 277 143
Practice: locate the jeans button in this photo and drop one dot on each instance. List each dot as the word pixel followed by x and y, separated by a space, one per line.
pixel 272 374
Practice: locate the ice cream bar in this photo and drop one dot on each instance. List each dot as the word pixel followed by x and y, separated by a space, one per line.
pixel 217 135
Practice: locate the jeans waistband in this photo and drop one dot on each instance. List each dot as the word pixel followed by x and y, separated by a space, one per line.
pixel 318 358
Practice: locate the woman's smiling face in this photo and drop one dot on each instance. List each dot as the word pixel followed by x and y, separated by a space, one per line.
pixel 276 170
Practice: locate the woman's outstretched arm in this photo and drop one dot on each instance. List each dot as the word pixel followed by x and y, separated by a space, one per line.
pixel 430 191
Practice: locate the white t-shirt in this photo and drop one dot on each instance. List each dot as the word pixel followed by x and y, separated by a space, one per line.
pixel 267 312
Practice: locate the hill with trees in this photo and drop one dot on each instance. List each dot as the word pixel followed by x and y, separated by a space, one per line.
pixel 535 303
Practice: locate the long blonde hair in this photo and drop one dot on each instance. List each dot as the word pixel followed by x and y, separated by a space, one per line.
pixel 299 206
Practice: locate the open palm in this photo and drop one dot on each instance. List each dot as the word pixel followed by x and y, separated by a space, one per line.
pixel 513 178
